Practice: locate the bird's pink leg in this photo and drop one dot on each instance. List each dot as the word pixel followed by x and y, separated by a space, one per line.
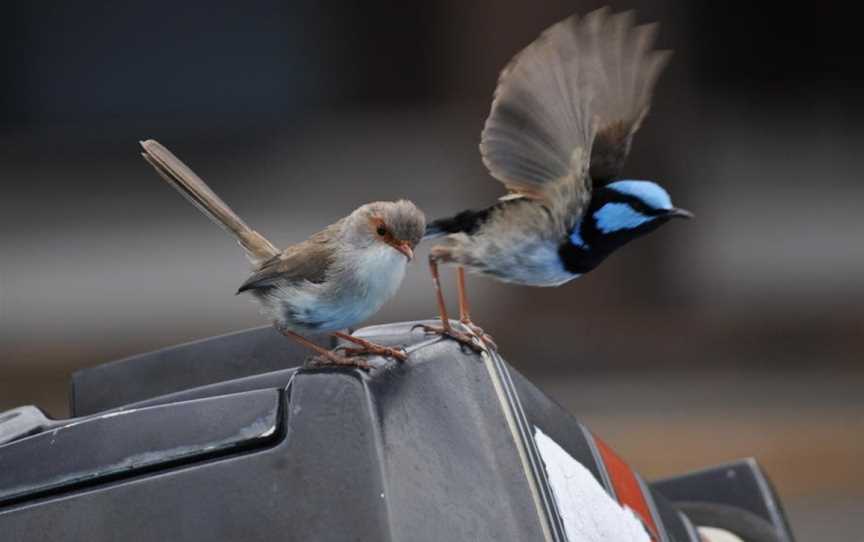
pixel 446 329
pixel 465 312
pixel 439 293
pixel 368 347
pixel 332 357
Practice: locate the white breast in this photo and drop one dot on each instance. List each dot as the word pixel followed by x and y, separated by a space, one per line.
pixel 538 264
pixel 519 258
pixel 379 272
pixel 519 243
pixel 361 283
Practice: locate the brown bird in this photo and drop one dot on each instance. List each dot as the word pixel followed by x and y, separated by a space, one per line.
pixel 334 280
pixel 563 117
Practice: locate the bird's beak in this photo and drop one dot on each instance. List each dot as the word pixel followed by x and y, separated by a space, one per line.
pixel 405 248
pixel 680 213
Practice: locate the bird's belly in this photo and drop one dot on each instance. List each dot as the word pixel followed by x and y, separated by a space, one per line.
pixel 344 300
pixel 530 264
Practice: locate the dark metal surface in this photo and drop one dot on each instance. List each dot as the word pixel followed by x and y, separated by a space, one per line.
pixel 440 448
pixel 574 437
pixel 745 525
pixel 676 526
pixel 409 452
pixel 742 484
pixel 208 361
pixel 125 443
pixel 452 468
pixel 23 421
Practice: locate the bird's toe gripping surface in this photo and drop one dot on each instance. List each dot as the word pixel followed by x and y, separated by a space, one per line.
pixel 375 350
pixel 464 339
pixel 365 348
pixel 482 335
pixel 332 359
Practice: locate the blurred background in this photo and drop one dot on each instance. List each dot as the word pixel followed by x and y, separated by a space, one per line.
pixel 740 333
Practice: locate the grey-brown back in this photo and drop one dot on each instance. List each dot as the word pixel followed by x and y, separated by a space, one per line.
pixel 309 261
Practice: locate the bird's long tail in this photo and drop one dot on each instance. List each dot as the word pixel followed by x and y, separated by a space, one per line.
pixel 193 188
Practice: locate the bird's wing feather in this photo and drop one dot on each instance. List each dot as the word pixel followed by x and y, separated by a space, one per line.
pixel 630 67
pixel 580 80
pixel 540 116
pixel 308 261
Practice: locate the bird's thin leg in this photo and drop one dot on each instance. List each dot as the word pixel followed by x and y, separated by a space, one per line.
pixel 332 357
pixel 465 311
pixel 368 347
pixel 446 329
pixel 439 294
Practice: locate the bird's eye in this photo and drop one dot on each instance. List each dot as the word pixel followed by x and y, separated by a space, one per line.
pixel 382 231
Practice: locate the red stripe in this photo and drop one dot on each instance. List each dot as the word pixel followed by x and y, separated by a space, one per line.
pixel 627 487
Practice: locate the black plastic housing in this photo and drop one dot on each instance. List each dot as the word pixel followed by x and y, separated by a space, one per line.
pixel 227 439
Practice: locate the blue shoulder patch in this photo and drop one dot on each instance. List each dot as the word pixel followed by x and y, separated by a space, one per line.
pixel 576 238
pixel 651 193
pixel 618 216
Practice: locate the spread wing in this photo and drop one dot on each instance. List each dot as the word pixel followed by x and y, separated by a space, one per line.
pixel 307 261
pixel 583 84
pixel 623 88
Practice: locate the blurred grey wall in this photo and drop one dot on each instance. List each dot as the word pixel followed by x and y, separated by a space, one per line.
pixel 747 321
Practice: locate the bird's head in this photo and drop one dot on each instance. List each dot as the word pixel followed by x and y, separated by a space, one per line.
pixel 397 224
pixel 623 210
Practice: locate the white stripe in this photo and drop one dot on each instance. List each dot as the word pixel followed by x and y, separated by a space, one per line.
pixel 489 362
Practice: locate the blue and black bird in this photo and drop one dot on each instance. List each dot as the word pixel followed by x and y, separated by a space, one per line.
pixel 562 121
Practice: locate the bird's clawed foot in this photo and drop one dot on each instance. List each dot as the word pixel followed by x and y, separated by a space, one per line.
pixel 325 357
pixel 478 331
pixel 464 339
pixel 375 350
pixel 332 359
pixel 370 348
